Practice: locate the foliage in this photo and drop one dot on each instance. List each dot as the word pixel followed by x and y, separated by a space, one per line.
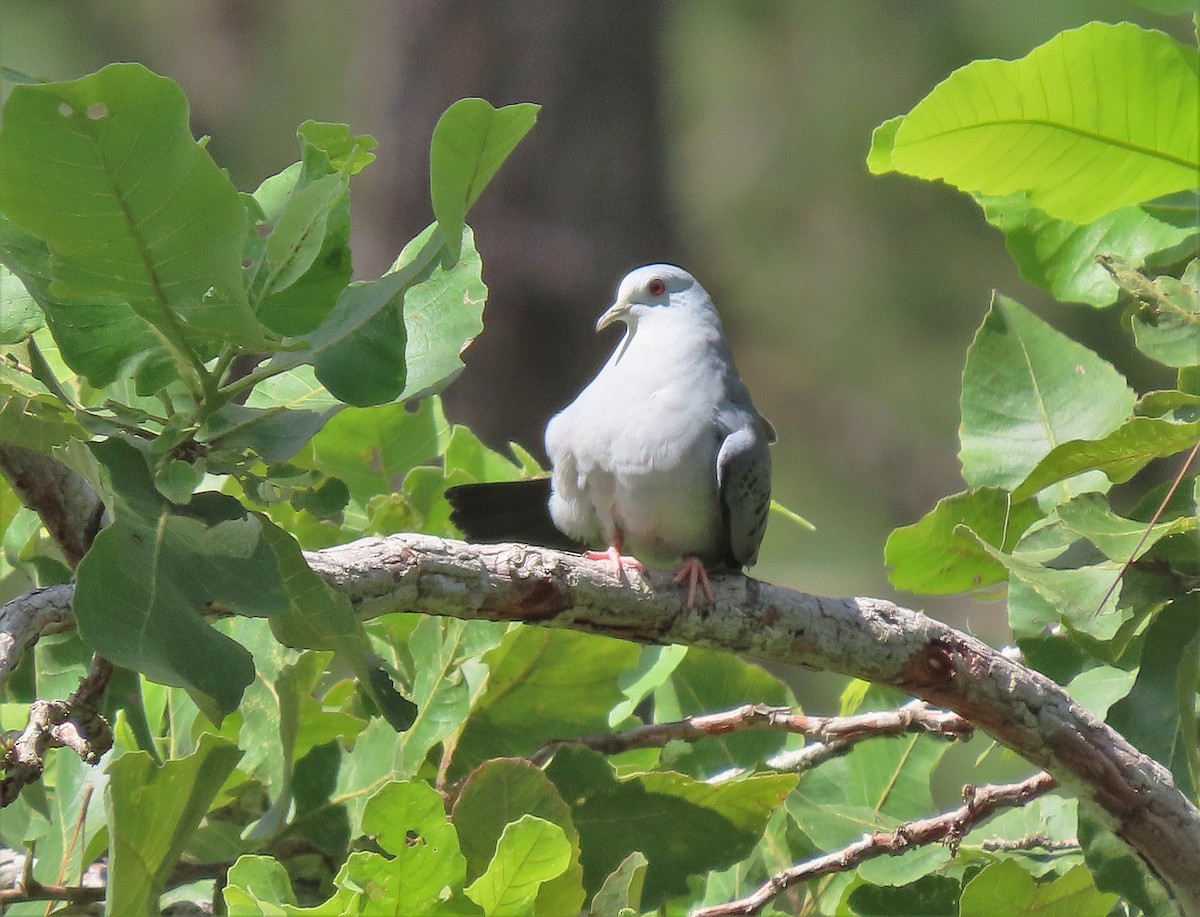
pixel 202 358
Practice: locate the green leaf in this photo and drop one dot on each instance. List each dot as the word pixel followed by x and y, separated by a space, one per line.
pixel 1095 119
pixel 875 787
pixel 695 827
pixel 1115 868
pixel 298 234
pixel 398 337
pixel 1167 328
pixel 438 648
pixel 409 821
pixel 1060 256
pixel 132 208
pixel 340 150
pixel 654 666
pixel 442 315
pixel 1086 597
pixel 142 586
pixel 19 313
pixel 708 680
pixel 937 557
pixel 257 885
pixel 372 449
pixel 1159 713
pixel 470 142
pixel 1119 455
pixel 1023 388
pixel 544 684
pixel 100 339
pixel 929 896
pixel 32 416
pixel 500 792
pixel 1003 889
pixel 318 617
pixel 622 890
pixel 1049 816
pixel 281 415
pixel 1118 538
pixel 531 851
pixel 152 810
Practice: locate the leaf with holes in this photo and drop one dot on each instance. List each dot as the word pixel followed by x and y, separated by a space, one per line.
pixel 132 208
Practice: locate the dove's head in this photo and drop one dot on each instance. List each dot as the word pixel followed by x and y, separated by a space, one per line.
pixel 652 288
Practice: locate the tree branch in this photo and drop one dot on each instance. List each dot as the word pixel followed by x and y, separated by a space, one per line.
pixel 65 501
pixel 868 638
pixel 949 827
pixel 846 730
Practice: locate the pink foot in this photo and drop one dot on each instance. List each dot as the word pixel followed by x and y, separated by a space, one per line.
pixel 620 561
pixel 692 572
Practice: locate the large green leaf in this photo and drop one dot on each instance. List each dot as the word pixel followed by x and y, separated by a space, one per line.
pixel 683 826
pixel 530 852
pixel 409 821
pixel 937 557
pixel 142 587
pixel 152 810
pixel 398 337
pixel 1027 389
pixel 372 449
pixel 1060 256
pixel 1119 455
pixel 470 142
pixel 1095 119
pixel 131 206
pixel 1005 889
pixel 442 315
pixel 101 339
pixel 544 684
pixel 500 792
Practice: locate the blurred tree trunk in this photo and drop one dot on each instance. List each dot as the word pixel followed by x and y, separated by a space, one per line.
pixel 581 202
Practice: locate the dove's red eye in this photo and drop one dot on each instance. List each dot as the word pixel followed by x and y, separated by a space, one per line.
pixel 656 287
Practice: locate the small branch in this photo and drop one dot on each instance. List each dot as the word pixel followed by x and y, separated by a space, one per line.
pixel 1036 841
pixel 74 723
pixel 916 716
pixel 26 888
pixel 30 616
pixel 949 828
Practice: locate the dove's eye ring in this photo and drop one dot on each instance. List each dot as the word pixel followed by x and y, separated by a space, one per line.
pixel 657 287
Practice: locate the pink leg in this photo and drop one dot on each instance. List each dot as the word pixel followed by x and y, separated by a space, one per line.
pixel 619 561
pixel 691 571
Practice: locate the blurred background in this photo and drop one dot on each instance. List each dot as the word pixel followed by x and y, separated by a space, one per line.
pixel 728 137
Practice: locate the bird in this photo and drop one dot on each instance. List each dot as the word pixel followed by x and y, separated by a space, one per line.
pixel 661 459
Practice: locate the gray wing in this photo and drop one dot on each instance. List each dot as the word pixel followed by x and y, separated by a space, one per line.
pixel 744 481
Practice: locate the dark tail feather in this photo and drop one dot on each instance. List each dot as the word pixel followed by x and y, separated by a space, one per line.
pixel 507 511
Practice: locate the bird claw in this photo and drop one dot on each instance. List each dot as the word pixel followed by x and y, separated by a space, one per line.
pixel 619 561
pixel 692 572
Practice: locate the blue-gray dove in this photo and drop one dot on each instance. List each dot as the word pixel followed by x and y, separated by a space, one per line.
pixel 662 458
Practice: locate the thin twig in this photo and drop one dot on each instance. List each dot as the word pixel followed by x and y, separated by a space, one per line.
pixel 949 827
pixel 1149 527
pixel 916 716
